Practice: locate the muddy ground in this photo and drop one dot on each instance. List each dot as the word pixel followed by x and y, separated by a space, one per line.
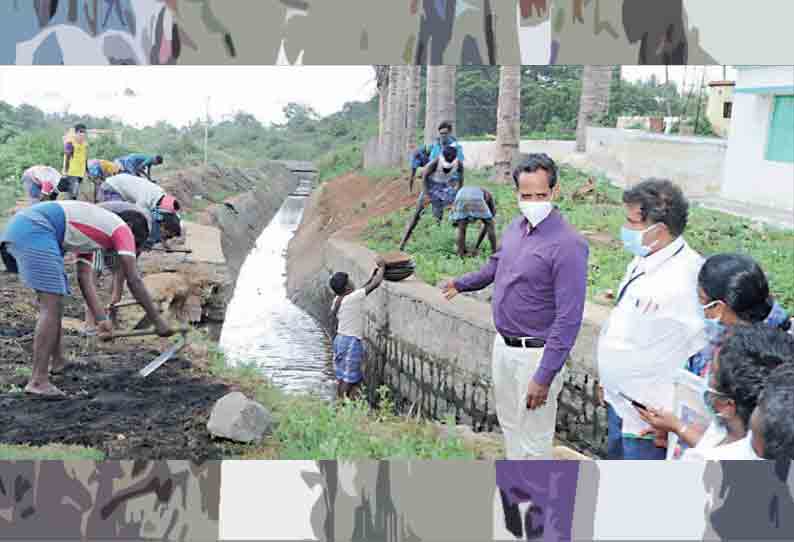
pixel 109 407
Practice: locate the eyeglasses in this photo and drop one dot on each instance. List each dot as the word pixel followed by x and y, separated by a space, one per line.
pixel 711 391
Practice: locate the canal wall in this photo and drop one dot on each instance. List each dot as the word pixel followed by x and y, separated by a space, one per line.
pixel 225 211
pixel 435 355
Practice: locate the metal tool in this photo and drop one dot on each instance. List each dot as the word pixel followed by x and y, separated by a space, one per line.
pixel 144 333
pixel 128 334
pixel 122 304
pixel 172 250
pixel 143 323
pixel 162 358
pixel 113 310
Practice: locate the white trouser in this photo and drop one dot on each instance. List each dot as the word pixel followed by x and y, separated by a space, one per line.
pixel 529 434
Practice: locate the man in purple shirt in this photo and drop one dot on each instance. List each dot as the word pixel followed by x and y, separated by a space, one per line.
pixel 540 283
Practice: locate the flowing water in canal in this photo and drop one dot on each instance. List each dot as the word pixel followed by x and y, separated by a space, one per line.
pixel 264 327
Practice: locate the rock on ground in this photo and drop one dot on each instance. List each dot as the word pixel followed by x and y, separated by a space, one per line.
pixel 235 417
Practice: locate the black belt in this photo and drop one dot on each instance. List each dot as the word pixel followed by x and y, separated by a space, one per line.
pixel 526 342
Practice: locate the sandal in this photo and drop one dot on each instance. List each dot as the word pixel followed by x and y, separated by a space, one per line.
pixel 51 393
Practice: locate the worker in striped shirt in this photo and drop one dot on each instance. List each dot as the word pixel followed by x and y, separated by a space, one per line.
pixel 104 260
pixel 37 238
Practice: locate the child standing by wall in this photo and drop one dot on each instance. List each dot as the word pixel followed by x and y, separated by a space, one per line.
pixel 348 309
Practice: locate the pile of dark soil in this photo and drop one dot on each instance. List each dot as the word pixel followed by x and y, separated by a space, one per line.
pixel 108 406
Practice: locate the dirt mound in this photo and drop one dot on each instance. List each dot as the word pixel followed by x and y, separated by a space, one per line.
pixel 340 208
pixel 112 409
pixel 352 201
pixel 109 406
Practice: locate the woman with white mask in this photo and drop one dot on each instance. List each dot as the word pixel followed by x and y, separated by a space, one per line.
pixel 731 392
pixel 733 292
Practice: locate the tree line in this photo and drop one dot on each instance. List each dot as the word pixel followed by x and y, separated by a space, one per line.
pixel 513 102
pixel 547 100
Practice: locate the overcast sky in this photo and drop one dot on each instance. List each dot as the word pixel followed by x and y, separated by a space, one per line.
pixel 178 94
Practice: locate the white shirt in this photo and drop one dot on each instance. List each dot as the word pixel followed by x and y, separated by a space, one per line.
pixel 136 190
pixel 741 450
pixel 714 435
pixel 653 330
pixel 351 314
pixel 42 175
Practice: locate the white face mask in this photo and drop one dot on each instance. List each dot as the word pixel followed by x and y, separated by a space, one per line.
pixel 535 211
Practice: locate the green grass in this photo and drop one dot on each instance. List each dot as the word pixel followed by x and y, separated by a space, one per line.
pixel 10 192
pixel 52 452
pixel 353 431
pixel 26 372
pixel 550 136
pixel 340 161
pixel 308 427
pixel 709 232
pixel 199 205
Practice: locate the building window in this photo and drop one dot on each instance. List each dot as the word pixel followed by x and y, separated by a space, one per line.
pixel 780 147
pixel 727 108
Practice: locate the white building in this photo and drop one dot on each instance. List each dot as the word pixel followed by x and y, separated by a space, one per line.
pixel 759 165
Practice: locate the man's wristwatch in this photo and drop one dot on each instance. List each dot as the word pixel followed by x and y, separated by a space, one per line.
pixel 102 318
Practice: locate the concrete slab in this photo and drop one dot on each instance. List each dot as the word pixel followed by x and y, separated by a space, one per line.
pixel 777 218
pixel 298 166
pixel 205 242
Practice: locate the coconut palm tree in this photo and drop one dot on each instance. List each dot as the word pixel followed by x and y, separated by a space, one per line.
pixel 594 101
pixel 431 108
pixel 414 91
pixel 508 122
pixel 447 107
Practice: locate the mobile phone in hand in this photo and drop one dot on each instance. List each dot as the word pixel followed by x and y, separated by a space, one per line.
pixel 634 403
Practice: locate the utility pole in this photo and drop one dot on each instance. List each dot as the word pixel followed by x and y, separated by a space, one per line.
pixel 700 99
pixel 206 130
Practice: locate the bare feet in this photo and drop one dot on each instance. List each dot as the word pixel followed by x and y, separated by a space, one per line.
pixel 43 390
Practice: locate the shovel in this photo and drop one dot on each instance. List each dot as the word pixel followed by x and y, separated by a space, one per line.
pixel 162 358
pixel 173 250
pixel 144 333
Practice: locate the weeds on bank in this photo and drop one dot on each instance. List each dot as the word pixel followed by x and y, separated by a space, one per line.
pixel 10 192
pixel 599 217
pixel 350 430
pixel 340 161
pixel 307 427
